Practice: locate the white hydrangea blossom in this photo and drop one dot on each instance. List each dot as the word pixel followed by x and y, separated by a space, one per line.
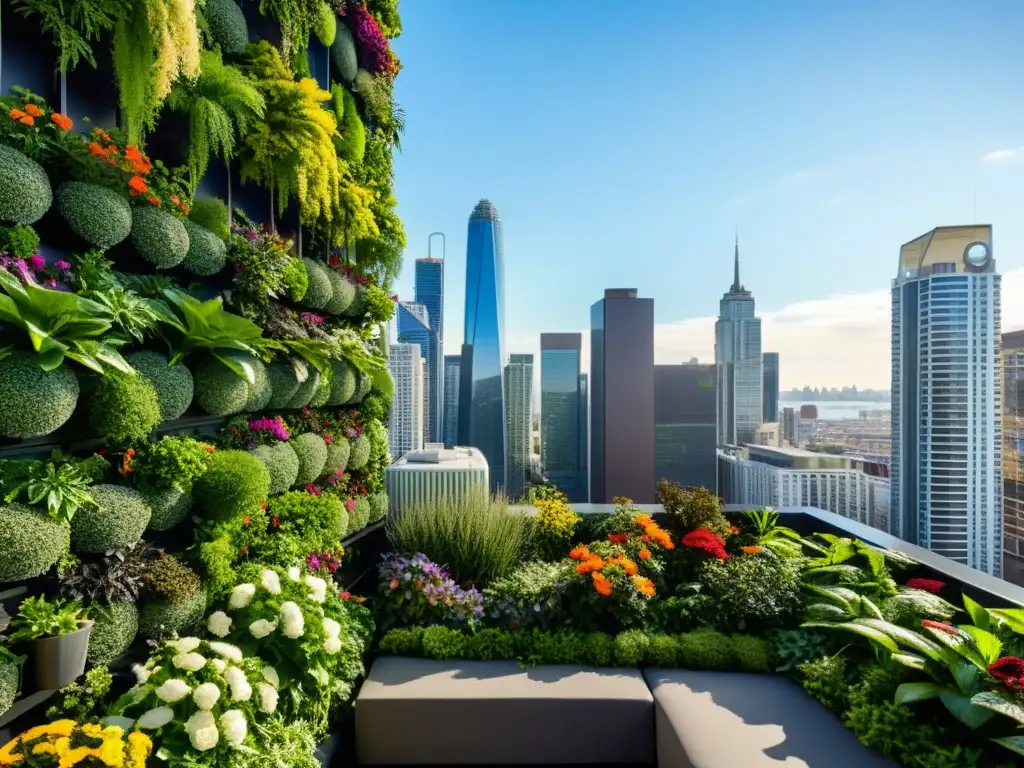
pixel 173 690
pixel 294 573
pixel 241 595
pixel 271 582
pixel 331 628
pixel 240 688
pixel 141 673
pixel 228 651
pixel 294 623
pixel 332 645
pixel 155 718
pixel 271 676
pixel 234 726
pixel 193 662
pixel 219 624
pixel 268 697
pixel 185 644
pixel 219 664
pixel 206 695
pixel 261 628
pixel 202 730
pixel 318 587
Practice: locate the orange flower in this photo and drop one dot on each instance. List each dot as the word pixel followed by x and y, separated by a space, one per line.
pixel 138 185
pixel 643 520
pixel 579 553
pixel 247 521
pixel 131 152
pixel 618 538
pixel 601 584
pixel 61 121
pixel 97 150
pixel 27 120
pixel 645 554
pixel 33 110
pixel 154 200
pixel 625 564
pixel 591 564
pixel 643 586
pixel 112 161
pixel 752 550
pixel 141 166
pixel 16 114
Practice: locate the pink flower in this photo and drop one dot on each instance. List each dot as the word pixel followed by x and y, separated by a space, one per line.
pixel 345 595
pixel 928 585
pixel 314 563
pixel 328 439
pixel 36 262
pixel 350 504
pixel 310 488
pixel 63 265
pixel 50 283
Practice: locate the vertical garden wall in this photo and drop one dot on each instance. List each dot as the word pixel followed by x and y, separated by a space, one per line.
pixel 197 245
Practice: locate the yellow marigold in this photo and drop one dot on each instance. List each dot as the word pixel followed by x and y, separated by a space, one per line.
pixel 643 520
pixel 643 586
pixel 77 755
pixel 92 730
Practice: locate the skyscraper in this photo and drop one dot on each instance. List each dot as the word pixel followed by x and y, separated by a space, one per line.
pixel 450 429
pixel 770 389
pixel 406 426
pixel 947 484
pixel 519 396
pixel 622 397
pixel 563 414
pixel 738 357
pixel 1013 470
pixel 414 328
pixel 585 436
pixel 482 411
pixel 429 292
pixel 685 428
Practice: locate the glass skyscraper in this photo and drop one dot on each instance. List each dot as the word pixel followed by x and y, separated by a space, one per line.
pixel 738 359
pixel 563 414
pixel 685 428
pixel 482 387
pixel 429 292
pixel 519 396
pixel 450 431
pixel 414 328
pixel 770 394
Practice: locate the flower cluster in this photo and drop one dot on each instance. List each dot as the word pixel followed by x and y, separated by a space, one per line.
pixel 34 270
pixel 1010 670
pixel 325 561
pixel 28 114
pixel 707 541
pixel 155 188
pixel 374 52
pixel 418 591
pixel 604 570
pixel 275 427
pixel 65 743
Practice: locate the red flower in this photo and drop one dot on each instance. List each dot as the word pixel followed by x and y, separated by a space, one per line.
pixel 247 521
pixel 275 521
pixel 394 297
pixel 706 540
pixel 928 585
pixel 1010 670
pixel 345 595
pixel 618 538
pixel 940 626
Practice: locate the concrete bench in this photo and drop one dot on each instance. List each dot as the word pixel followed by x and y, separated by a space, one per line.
pixel 425 712
pixel 737 720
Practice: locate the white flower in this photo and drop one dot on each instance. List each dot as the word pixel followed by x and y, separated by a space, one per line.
pixel 241 595
pixel 319 587
pixel 332 645
pixel 202 730
pixel 240 688
pixel 261 628
pixel 219 624
pixel 206 695
pixel 228 651
pixel 331 628
pixel 293 573
pixel 141 673
pixel 271 582
pixel 186 644
pixel 268 697
pixel 193 662
pixel 233 724
pixel 294 623
pixel 271 676
pixel 218 664
pixel 173 690
pixel 155 718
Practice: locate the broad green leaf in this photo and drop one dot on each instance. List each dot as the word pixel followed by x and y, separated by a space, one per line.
pixel 978 613
pixel 909 692
pixel 907 637
pixel 1011 617
pixel 967 677
pixel 860 629
pixel 962 709
pixel 51 359
pixel 826 611
pixel 1012 743
pixel 988 645
pixel 911 660
pixel 850 570
pixel 998 703
pixel 382 380
pixel 868 606
pixel 843 550
pixel 243 365
pixel 832 596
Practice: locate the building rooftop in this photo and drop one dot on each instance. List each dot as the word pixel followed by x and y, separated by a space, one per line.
pixel 485 210
pixel 434 457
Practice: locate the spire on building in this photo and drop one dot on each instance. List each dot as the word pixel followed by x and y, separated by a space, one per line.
pixel 736 287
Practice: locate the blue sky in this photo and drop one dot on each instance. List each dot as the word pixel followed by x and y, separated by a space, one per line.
pixel 623 148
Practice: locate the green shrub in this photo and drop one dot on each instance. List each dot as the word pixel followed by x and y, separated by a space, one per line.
pixel 25 193
pixel 662 651
pixel 173 384
pixel 158 237
pixel 337 456
pixel 124 407
pixel 227 25
pixel 98 215
pixel 10 673
pixel 31 541
pixel 491 645
pixel 312 453
pixel 116 521
pixel 161 618
pixel 705 649
pixel 172 461
pixel 824 678
pixel 322 393
pixel 343 382
pixel 750 653
pixel 692 507
pixel 261 390
pixel 359 452
pixel 359 515
pixel 19 241
pixel 207 253
pixel 169 506
pixel 318 521
pixel 114 631
pixel 295 279
pixel 36 402
pixel 752 592
pixel 378 506
pixel 319 292
pixel 283 384
pixel 343 54
pixel 403 642
pixel 358 306
pixel 443 643
pixel 350 141
pixel 599 649
pixel 234 484
pixel 342 293
pixel 364 383
pixel 326 24
pixel 218 390
pixel 791 647
pixel 305 390
pixel 212 212
pixel 281 462
pixel 630 648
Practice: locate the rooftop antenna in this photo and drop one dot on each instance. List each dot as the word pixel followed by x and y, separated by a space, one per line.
pixel 430 243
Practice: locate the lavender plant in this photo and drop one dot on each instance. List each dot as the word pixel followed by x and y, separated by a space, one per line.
pixel 417 591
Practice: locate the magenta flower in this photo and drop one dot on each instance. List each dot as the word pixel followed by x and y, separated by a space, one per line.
pixel 313 318
pixel 36 262
pixel 310 488
pixel 328 439
pixel 350 504
pixel 313 562
pixel 63 265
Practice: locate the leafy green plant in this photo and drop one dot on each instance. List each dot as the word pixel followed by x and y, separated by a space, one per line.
pixel 83 701
pixel 235 484
pixel 62 487
pixel 38 618
pixel 824 678
pixel 212 213
pixel 226 26
pixel 19 241
pixel 111 578
pixel 173 384
pixel 764 526
pixel 749 592
pixel 692 507
pixel 128 312
pixel 167 577
pixel 91 270
pixel 124 408
pixel 298 18
pixel 207 253
pixel 98 215
pixel 74 24
pixel 173 462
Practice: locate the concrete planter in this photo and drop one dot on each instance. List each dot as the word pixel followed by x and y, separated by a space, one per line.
pixel 59 661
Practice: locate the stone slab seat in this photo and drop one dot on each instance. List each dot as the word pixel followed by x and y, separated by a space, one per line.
pixel 739 720
pixel 426 712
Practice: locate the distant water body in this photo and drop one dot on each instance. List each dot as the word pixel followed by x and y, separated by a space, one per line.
pixel 838 409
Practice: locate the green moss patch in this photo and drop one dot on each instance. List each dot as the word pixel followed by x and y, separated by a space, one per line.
pixel 170 506
pixel 312 453
pixel 343 382
pixel 306 389
pixel 343 54
pixel 31 542
pixel 25 193
pixel 124 407
pixel 281 462
pixel 360 453
pixel 211 213
pixel 378 506
pixel 337 456
pixel 358 306
pixel 218 390
pixel 9 677
pixel 283 384
pixel 161 618
pixel 114 631
pixel 207 253
pixel 117 521
pixel 158 237
pixel 227 25
pixel 35 402
pixel 234 485
pixel 173 385
pixel 262 390
pixel 359 517
pixel 363 387
pixel 343 293
pixel 319 293
pixel 322 394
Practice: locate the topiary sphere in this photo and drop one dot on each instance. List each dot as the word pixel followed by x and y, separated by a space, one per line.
pixel 363 387
pixel 261 391
pixel 343 293
pixel 235 484
pixel 343 54
pixel 162 618
pixel 10 676
pixel 96 214
pixel 378 506
pixel 359 453
pixel 31 542
pixel 159 237
pixel 117 520
pixel 358 306
pixel 359 515
pixel 25 193
pixel 322 394
pixel 227 26
pixel 306 389
pixel 283 384
pixel 281 462
pixel 312 452
pixel 169 506
pixel 318 294
pixel 219 390
pixel 34 402
pixel 337 456
pixel 343 382
pixel 124 407
pixel 207 253
pixel 113 632
pixel 173 384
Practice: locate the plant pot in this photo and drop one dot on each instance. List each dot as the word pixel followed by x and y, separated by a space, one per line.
pixel 59 661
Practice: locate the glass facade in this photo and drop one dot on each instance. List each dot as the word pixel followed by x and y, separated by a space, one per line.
pixel 430 293
pixel 738 357
pixel 685 427
pixel 563 414
pixel 519 396
pixel 1013 470
pixel 770 396
pixel 414 328
pixel 482 410
pixel 450 430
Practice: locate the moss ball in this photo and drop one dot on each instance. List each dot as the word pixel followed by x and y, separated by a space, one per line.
pixel 363 387
pixel 96 214
pixel 343 382
pixel 312 452
pixel 31 542
pixel 35 402
pixel 337 456
pixel 318 294
pixel 322 394
pixel 158 237
pixel 114 631
pixel 283 384
pixel 235 484
pixel 227 26
pixel 117 521
pixel 219 391
pixel 261 391
pixel 306 389
pixel 378 506
pixel 173 384
pixel 207 253
pixel 124 407
pixel 360 453
pixel 212 214
pixel 170 506
pixel 9 678
pixel 343 293
pixel 359 517
pixel 25 193
pixel 281 462
pixel 343 54
pixel 161 618
pixel 358 306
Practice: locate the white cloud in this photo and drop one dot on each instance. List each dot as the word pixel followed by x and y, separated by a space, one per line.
pixel 836 201
pixel 795 177
pixel 1002 155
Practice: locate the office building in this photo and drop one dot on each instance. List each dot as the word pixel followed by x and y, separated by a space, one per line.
pixel 947 483
pixel 429 291
pixel 563 414
pixel 1013 472
pixel 414 327
pixel 519 426
pixel 622 397
pixel 738 358
pixel 406 425
pixel 585 436
pixel 685 427
pixel 770 387
pixel 432 474
pixel 482 412
pixel 790 426
pixel 450 430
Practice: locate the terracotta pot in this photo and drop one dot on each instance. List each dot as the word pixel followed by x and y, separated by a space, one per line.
pixel 59 661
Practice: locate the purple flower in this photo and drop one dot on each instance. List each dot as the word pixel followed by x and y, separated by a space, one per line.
pixel 36 262
pixel 50 283
pixel 313 562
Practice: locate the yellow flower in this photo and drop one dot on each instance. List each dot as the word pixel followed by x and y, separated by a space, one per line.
pixel 139 747
pixel 75 756
pixel 92 730
pixel 112 752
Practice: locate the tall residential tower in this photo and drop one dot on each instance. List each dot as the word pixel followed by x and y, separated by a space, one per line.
pixel 450 429
pixel 429 291
pixel 519 396
pixel 770 389
pixel 405 428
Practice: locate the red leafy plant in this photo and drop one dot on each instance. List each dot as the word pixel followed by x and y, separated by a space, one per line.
pixel 1010 670
pixel 707 541
pixel 926 585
